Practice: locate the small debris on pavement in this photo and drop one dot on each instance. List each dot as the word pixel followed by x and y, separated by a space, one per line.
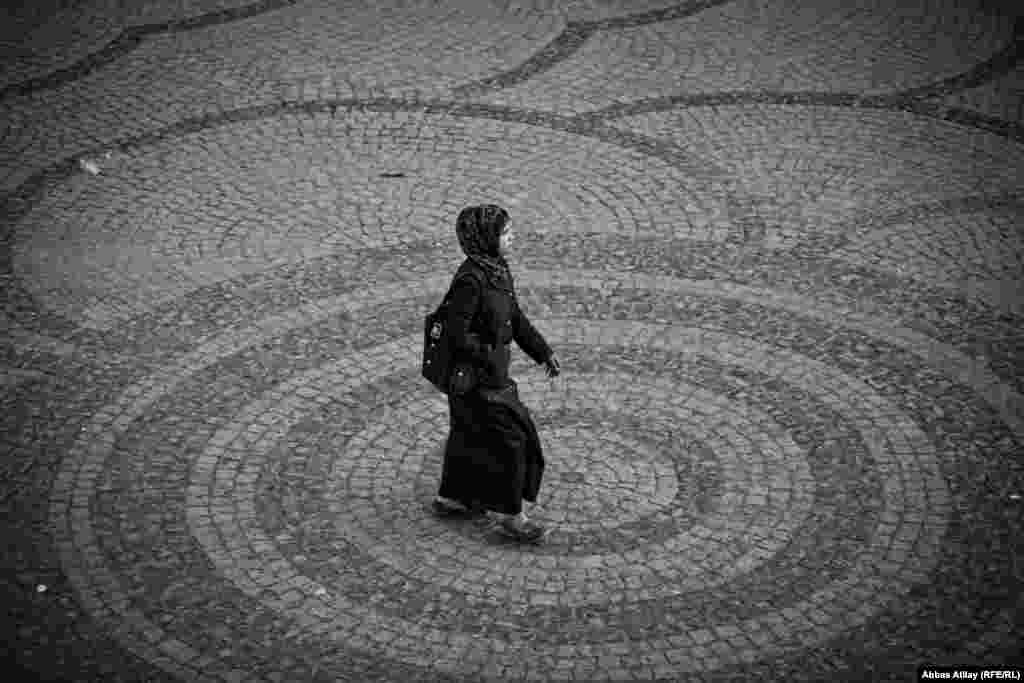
pixel 90 166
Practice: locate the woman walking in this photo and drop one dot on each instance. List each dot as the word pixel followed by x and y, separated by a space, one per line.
pixel 493 459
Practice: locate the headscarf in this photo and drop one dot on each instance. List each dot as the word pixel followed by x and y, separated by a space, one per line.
pixel 479 230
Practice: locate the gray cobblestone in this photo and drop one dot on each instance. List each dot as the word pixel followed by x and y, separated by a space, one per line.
pixel 774 248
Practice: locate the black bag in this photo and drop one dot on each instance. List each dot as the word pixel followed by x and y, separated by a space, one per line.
pixel 440 366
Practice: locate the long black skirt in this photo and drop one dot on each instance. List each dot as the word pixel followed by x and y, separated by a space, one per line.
pixel 493 456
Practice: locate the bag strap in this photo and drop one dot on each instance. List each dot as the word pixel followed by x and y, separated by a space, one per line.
pixel 464 272
pixel 460 275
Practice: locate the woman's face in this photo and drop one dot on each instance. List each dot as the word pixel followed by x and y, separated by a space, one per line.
pixel 506 237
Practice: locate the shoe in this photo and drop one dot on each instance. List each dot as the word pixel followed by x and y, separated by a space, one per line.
pixel 443 508
pixel 523 532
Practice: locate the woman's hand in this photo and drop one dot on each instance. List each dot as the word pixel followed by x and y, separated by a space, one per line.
pixel 552 367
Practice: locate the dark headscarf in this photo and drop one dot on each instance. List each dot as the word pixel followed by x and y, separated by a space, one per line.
pixel 479 229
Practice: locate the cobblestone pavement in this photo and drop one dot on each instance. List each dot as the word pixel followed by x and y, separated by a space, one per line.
pixel 777 245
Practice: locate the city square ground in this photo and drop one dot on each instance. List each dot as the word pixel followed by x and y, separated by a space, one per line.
pixel 777 246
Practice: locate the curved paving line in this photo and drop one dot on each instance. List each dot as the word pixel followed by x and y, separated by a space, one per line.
pixel 571 39
pixel 739 97
pixel 863 227
pixel 120 46
pixel 937 110
pixel 964 117
pixel 561 48
pixel 655 16
pixel 914 100
pixel 130 39
pixel 13 207
pixel 20 303
pixel 999 63
pixel 15 299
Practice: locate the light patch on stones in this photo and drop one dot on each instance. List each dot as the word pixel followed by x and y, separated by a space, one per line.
pixel 601 479
pixel 980 253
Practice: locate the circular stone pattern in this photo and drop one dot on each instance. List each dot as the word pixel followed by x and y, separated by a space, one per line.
pixel 177 215
pixel 751 466
pixel 785 442
pixel 374 490
pixel 305 492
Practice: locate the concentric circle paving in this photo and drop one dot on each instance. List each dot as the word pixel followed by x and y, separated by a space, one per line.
pixel 785 442
pixel 310 500
pixel 395 516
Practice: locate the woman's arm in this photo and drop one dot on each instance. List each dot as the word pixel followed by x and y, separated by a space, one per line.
pixel 528 338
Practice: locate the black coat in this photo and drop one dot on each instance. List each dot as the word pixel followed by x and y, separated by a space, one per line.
pixel 484 320
pixel 493 455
